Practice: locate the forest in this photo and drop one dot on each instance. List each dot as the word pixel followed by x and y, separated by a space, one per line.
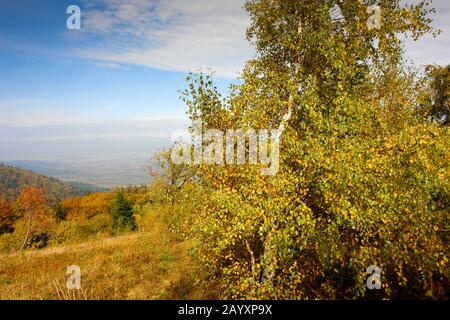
pixel 12 179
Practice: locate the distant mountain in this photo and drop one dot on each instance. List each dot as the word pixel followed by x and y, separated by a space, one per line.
pixel 43 167
pixel 13 179
pixel 87 187
pixel 94 175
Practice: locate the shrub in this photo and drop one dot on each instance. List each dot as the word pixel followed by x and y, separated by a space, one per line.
pixel 72 231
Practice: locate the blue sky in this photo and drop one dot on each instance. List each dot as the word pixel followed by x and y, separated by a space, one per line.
pixel 126 64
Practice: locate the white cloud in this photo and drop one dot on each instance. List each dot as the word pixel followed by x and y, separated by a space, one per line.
pixel 183 35
pixel 176 35
pixel 111 65
pixel 430 50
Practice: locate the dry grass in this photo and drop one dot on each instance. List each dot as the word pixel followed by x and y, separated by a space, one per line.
pixel 143 265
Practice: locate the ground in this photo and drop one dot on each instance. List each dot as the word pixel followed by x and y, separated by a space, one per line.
pixel 142 265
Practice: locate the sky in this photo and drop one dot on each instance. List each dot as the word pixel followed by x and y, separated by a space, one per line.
pixel 83 93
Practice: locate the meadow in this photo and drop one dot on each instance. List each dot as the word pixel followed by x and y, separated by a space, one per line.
pixel 146 264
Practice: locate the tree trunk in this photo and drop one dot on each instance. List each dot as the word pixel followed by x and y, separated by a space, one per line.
pixel 268 257
pixel 28 231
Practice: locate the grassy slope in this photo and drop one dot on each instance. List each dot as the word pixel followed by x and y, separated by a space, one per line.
pixel 144 265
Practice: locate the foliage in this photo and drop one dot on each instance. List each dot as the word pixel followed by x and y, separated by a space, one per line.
pixel 362 180
pixel 72 231
pixel 435 101
pixel 122 213
pixel 172 177
pixel 69 221
pixel 85 207
pixel 6 217
pixel 31 206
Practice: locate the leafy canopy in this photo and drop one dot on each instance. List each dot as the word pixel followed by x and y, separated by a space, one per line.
pixel 363 181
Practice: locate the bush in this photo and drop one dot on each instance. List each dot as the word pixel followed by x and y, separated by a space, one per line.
pixel 361 181
pixel 72 232
pixel 11 242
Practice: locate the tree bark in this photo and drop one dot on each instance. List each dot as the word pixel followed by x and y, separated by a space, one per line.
pixel 28 230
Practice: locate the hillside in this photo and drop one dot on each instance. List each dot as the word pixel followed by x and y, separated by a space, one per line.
pixel 13 179
pixel 144 265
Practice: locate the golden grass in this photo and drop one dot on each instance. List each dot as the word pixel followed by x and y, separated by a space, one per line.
pixel 143 265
